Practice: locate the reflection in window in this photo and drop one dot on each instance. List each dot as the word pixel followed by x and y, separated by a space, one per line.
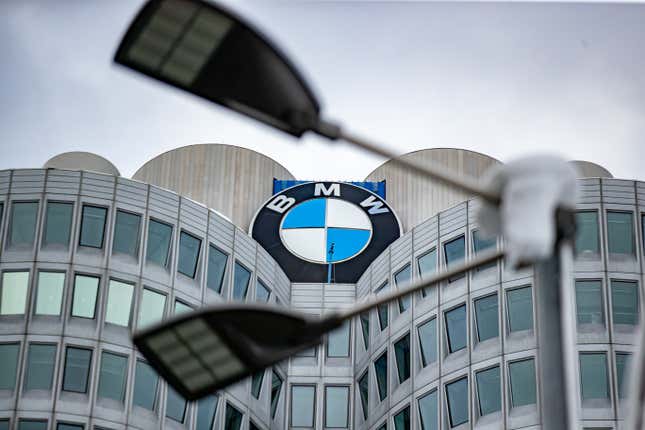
pixel 428 411
pixel 363 390
pixel 119 302
pixel 589 308
pixel 486 317
pixel 428 341
pixel 13 298
pixel 112 377
pixel 380 369
pixel 206 410
pixel 256 383
pixel 262 292
pixel 402 419
pixel 427 267
pixel 520 309
pixel 402 355
pixel 587 240
pixel 32 425
pixel 455 250
pixel 240 282
pixel 40 367
pixel 49 299
pixel 145 386
pixel 216 268
pixel 58 224
pixel 276 387
pixel 93 226
pixel 77 369
pixel 365 328
pixel 336 407
pixel 620 233
pixel 302 405
pixel 189 247
pixel 233 418
pixel 338 341
pixel 126 233
pixel 488 391
pixel 159 236
pixel 9 359
pixel 622 365
pixel 84 300
pixel 522 382
pixel 151 307
pixel 456 328
pixel 22 228
pixel 593 376
pixel 624 302
pixel 402 279
pixel 382 310
pixel 457 396
pixel 175 405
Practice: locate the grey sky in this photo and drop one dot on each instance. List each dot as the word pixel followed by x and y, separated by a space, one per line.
pixel 499 78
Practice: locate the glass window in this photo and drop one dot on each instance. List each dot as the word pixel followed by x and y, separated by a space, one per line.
pixel 401 279
pixel 66 426
pixel 363 390
pixel 402 419
pixel 22 229
pixel 126 233
pixel 240 282
pixel 112 378
pixel 380 368
pixel 365 328
pixel 151 308
pixel 40 367
pixel 620 233
pixel 486 316
pixel 119 302
pixel 428 411
pixel 402 355
pixel 302 405
pixel 520 309
pixel 276 387
pixel 58 223
pixel 488 391
pixel 455 250
pixel 77 369
pixel 189 247
pixel 32 425
pixel 4 424
pixel 456 329
pixel 457 396
pixel 428 341
pixel 233 418
pixel 93 226
pixel 482 243
pixel 49 299
pixel 624 302
pixel 145 385
pixel 262 293
pixel 593 376
pixel 206 409
pixel 336 407
pixel 522 382
pixel 13 299
pixel 159 236
pixel 427 267
pixel 622 365
pixel 587 240
pixel 338 342
pixel 216 268
pixel 382 310
pixel 175 405
pixel 180 307
pixel 9 359
pixel 256 383
pixel 589 308
pixel 84 300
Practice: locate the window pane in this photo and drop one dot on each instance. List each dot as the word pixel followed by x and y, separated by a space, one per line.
pixel 49 299
pixel 402 355
pixel 624 298
pixel 180 307
pixel 401 279
pixel 13 300
pixel 262 293
pixel 152 307
pixel 175 405
pixel 159 235
pixel 276 387
pixel 4 424
pixel 622 365
pixel 587 240
pixel 428 341
pixel 118 303
pixel 428 411
pixel 233 419
pixel 380 368
pixel 145 385
pixel 457 394
pixel 456 328
pixel 64 426
pixel 32 425
pixel 589 302
pixel 9 359
pixel 113 376
pixel 23 223
pixel 338 342
pixel 481 243
pixel 206 409
pixel 488 391
pixel 427 267
pixel 240 282
pixel 93 226
pixel 455 250
pixel 216 268
pixel 382 310
pixel 126 234
pixel 77 367
pixel 522 375
pixel 302 406
pixel 620 232
pixel 189 247
pixel 402 419
pixel 58 224
pixel 40 367
pixel 256 383
pixel 520 309
pixel 593 376
pixel 365 328
pixel 84 301
pixel 336 407
pixel 363 389
pixel 486 315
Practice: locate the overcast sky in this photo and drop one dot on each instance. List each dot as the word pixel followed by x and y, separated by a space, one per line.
pixel 505 79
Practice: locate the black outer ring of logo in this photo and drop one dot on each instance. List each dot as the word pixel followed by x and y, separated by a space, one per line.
pixel 265 229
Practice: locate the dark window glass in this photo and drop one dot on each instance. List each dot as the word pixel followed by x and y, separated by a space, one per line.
pixel 1 213
pixel 455 250
pixel 85 291
pixel 302 405
pixel 620 233
pixel 428 411
pixel 522 382
pixel 624 298
pixel 93 226
pixel 380 368
pixel 336 407
pixel 252 426
pixel 262 293
pixel 189 247
pixel 145 385
pixel 175 405
pixel 593 376
pixel 112 378
pixel 365 328
pixel 159 236
pixel 402 355
pixel 256 383
pixel 427 267
pixel 622 365
pixel 382 310
pixel 587 238
pixel 456 328
pixel 428 341
pixel 482 243
pixel 401 279
pixel 32 425
pixel 233 419
pixel 276 387
pixel 486 315
pixel 4 424
pixel 9 359
pixel 66 426
pixel 589 309
pixel 402 419
pixel 58 223
pixel 126 234
pixel 22 229
pixel 364 389
pixel 240 282
pixel 457 396
pixel 206 409
pixel 77 368
pixel 338 342
pixel 488 391
pixel 383 427
pixel 216 268
pixel 520 309
pixel 40 367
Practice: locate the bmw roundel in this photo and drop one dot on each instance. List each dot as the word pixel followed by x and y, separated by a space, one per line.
pixel 321 231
